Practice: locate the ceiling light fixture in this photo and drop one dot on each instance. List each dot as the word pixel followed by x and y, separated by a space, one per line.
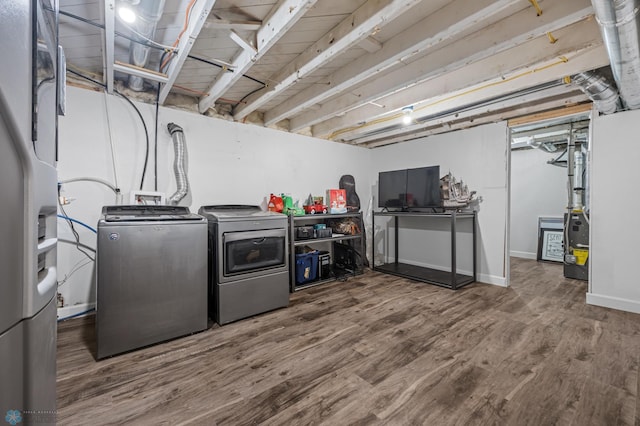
pixel 407 117
pixel 127 14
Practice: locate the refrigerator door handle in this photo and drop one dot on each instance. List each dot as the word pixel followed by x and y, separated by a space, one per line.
pixel 48 281
pixel 47 245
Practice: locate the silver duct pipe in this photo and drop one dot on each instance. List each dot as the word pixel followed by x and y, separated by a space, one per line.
pixel 149 13
pixel 575 172
pixel 558 162
pixel 601 91
pixel 571 149
pixel 586 194
pixel 546 144
pixel 179 160
pixel 619 23
pixel 578 181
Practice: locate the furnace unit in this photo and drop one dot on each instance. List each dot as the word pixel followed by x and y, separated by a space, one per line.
pixel 576 258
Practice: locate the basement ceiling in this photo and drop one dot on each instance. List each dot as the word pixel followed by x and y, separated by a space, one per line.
pixel 343 70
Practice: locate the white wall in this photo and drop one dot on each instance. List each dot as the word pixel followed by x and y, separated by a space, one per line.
pixel 614 212
pixel 228 163
pixel 479 156
pixel 537 189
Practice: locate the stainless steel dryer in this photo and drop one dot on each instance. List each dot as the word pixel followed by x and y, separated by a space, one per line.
pixel 248 261
pixel 151 276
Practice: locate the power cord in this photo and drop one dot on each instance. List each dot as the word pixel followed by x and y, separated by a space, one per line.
pixel 144 124
pixel 75 233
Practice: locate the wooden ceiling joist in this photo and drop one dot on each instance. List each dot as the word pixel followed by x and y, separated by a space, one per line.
pixel 500 74
pixel 352 30
pixel 548 115
pixel 225 24
pixel 200 11
pixel 558 104
pixel 516 30
pixel 109 14
pixel 464 113
pixel 281 20
pixel 420 37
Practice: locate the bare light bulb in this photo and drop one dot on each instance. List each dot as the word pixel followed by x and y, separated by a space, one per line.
pixel 127 14
pixel 407 115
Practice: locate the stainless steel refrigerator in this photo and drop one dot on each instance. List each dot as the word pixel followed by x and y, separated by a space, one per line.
pixel 28 194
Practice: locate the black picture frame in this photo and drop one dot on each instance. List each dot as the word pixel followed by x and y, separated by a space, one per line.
pixel 550 245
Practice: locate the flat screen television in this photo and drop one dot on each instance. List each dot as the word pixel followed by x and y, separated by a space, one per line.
pixel 423 187
pixel 392 189
pixel 410 188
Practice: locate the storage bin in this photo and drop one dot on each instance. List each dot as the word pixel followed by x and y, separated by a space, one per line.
pixel 322 233
pixel 304 232
pixel 306 267
pixel 581 256
pixel 324 265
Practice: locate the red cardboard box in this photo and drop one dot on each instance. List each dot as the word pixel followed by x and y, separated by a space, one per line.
pixel 337 200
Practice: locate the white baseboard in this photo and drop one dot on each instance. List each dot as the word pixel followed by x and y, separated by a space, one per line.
pixel 492 279
pixel 69 311
pixel 523 254
pixel 613 303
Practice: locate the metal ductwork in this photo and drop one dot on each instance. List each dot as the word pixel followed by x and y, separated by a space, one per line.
pixel 571 156
pixel 599 89
pixel 544 145
pixel 148 13
pixel 618 20
pixel 179 160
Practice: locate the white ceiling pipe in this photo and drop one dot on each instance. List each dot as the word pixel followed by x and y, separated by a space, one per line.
pixel 619 23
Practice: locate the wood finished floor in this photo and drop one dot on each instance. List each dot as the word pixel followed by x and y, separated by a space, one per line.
pixel 376 349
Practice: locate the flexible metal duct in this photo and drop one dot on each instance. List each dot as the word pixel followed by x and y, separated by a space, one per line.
pixel 578 179
pixel 600 90
pixel 149 13
pixel 179 160
pixel 545 145
pixel 571 156
pixel 619 22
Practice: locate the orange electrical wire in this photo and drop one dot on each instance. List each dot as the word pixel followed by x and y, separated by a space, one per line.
pixel 184 28
pixel 197 92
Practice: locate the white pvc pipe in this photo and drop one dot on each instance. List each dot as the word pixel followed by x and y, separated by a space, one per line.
pixel 97 180
pixel 92 179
